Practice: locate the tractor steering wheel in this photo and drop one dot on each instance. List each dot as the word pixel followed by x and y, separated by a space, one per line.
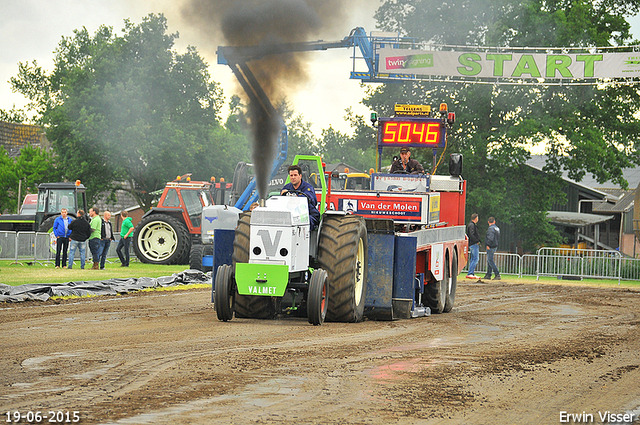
pixel 292 192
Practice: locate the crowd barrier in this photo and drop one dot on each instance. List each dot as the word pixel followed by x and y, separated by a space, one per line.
pixel 564 263
pixel 40 248
pixel 37 247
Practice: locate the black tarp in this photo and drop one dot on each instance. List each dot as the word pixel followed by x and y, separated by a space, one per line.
pixel 44 291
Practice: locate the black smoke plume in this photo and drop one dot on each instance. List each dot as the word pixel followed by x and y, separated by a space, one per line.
pixel 265 23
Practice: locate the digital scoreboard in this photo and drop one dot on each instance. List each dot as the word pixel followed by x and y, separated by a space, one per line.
pixel 411 132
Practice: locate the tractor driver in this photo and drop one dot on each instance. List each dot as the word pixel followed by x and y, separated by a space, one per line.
pixel 405 164
pixel 300 186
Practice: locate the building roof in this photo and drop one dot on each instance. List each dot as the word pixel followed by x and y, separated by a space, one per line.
pixel 632 175
pixel 624 202
pixel 14 137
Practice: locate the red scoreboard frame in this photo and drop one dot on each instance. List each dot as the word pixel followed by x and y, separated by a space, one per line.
pixel 411 132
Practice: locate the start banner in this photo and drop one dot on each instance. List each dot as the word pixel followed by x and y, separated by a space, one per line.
pixel 512 65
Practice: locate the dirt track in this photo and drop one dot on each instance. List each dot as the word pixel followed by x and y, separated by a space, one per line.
pixel 508 353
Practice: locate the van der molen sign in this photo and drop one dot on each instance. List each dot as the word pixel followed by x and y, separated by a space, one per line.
pixel 513 65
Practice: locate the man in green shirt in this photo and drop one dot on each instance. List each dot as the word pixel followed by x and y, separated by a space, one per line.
pixel 94 239
pixel 126 231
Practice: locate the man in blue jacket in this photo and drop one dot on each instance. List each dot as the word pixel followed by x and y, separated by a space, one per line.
pixel 297 185
pixel 61 232
pixel 493 237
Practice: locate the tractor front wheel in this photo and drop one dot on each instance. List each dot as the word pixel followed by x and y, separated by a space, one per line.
pixel 317 297
pixel 162 239
pixel 225 293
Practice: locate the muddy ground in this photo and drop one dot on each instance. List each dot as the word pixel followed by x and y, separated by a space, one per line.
pixel 508 353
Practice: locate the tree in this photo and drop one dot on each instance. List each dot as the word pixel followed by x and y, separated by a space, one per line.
pixel 357 150
pixel 32 167
pixel 582 128
pixel 8 180
pixel 128 108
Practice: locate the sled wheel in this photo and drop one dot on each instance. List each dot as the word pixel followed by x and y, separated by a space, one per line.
pixel 436 292
pixel 453 284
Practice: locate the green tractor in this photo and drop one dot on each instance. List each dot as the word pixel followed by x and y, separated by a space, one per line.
pixel 281 266
pixel 52 197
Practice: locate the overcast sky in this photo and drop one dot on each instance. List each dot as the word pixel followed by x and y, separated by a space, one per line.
pixel 32 29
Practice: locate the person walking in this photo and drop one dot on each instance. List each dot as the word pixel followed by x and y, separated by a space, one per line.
pixel 61 232
pixel 80 232
pixel 106 236
pixel 126 230
pixel 491 241
pixel 474 246
pixel 94 239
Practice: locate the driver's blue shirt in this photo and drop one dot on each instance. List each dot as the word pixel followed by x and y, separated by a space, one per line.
pixel 307 190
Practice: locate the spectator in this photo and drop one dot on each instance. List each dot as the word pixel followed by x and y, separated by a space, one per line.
pixel 94 239
pixel 106 236
pixel 61 232
pixel 474 246
pixel 492 240
pixel 126 230
pixel 80 232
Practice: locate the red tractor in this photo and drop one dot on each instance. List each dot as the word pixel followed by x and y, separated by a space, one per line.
pixel 166 232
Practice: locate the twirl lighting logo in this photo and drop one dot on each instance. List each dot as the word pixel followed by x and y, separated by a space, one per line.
pixel 631 64
pixel 411 61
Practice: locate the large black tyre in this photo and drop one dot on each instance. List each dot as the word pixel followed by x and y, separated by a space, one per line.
pixel 195 257
pixel 436 291
pixel 162 239
pixel 317 301
pixel 342 252
pixel 253 306
pixel 453 285
pixel 225 293
pixel 47 225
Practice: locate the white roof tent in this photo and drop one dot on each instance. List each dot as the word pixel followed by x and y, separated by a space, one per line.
pixel 579 220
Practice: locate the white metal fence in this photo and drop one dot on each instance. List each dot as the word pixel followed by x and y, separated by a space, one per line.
pixel 563 262
pixel 37 247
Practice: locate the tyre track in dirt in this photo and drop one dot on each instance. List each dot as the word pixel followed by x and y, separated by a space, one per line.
pixel 507 350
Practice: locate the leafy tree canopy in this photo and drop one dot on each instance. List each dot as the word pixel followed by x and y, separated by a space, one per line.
pixel 32 167
pixel 583 129
pixel 130 108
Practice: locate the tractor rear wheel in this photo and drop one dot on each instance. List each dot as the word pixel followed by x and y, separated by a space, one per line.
pixel 317 297
pixel 451 293
pixel 47 225
pixel 342 252
pixel 436 291
pixel 225 293
pixel 162 239
pixel 253 306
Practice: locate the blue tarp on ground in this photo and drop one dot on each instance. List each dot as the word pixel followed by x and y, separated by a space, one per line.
pixel 44 291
